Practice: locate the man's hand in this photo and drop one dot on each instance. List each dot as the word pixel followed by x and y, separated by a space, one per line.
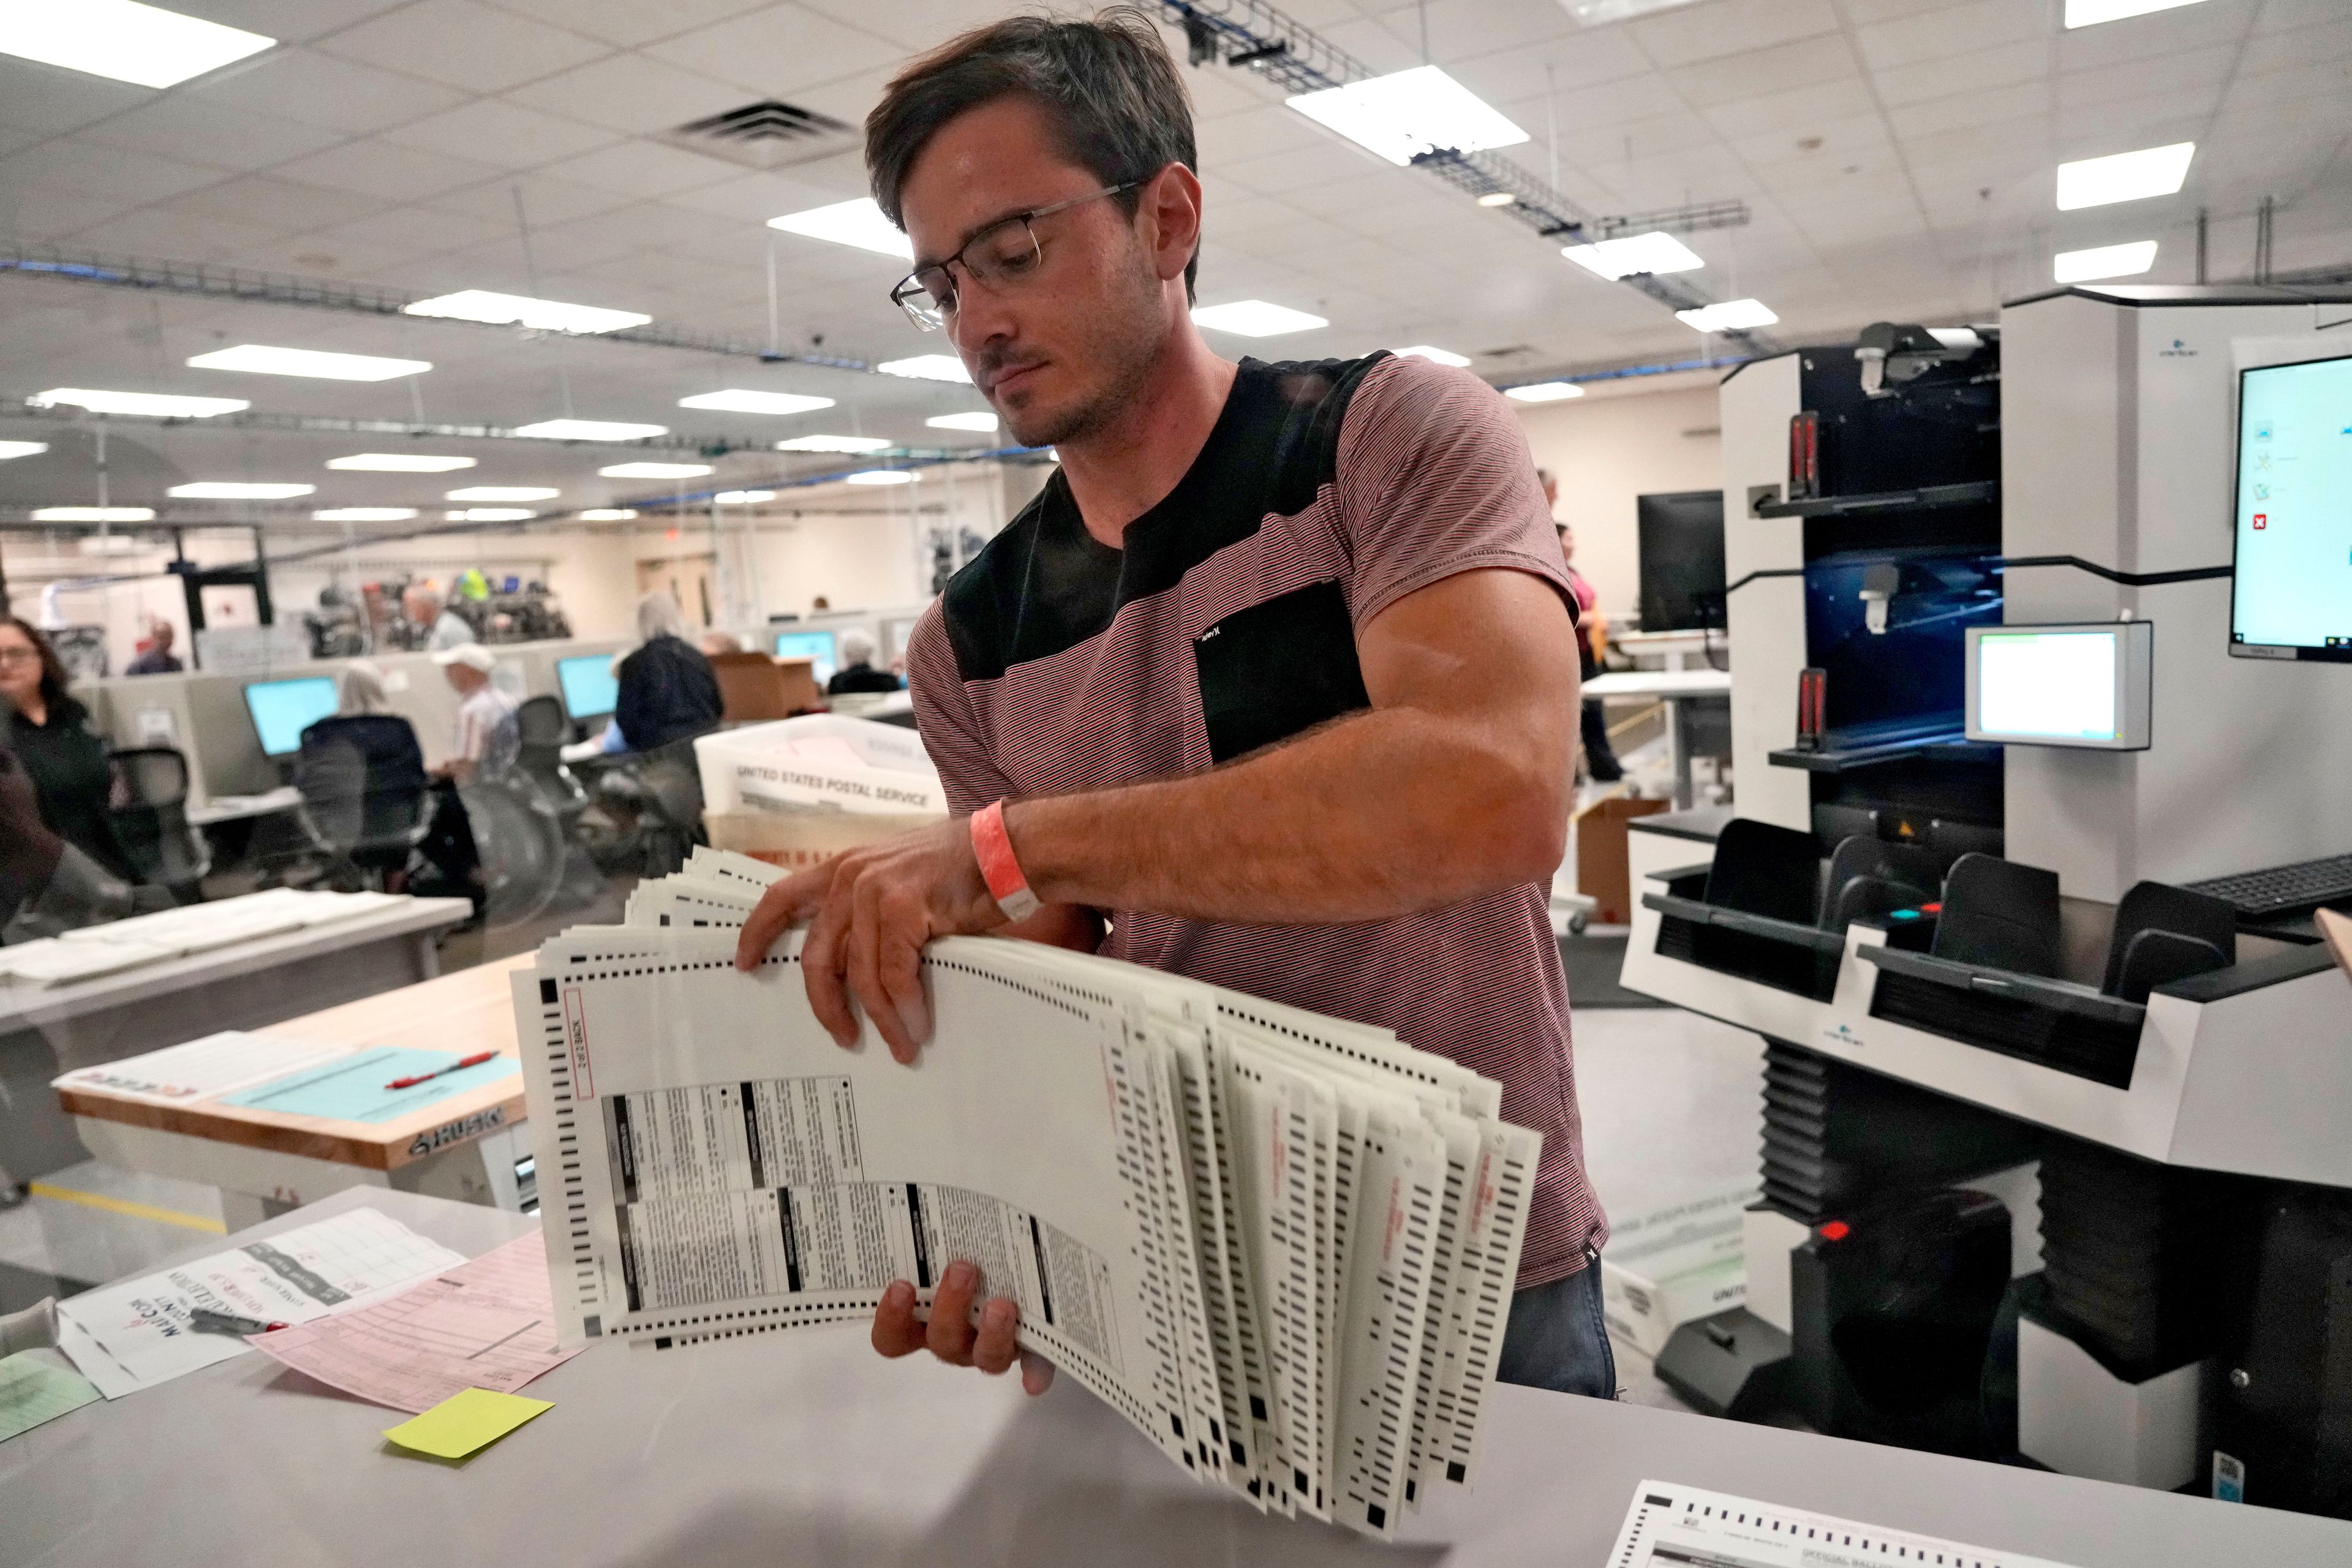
pixel 950 1334
pixel 875 908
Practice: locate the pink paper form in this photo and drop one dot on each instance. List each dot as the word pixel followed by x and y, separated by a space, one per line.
pixel 490 1323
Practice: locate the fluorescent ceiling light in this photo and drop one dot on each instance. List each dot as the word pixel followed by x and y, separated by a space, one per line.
pixel 833 444
pixel 743 498
pixel 1496 199
pixel 979 420
pixel 1255 318
pixel 364 514
pixel 522 311
pixel 859 223
pixel 737 400
pixel 263 360
pixel 491 514
pixel 1442 356
pixel 590 430
pixel 230 489
pixel 608 514
pixel 1730 316
pixel 122 40
pixel 160 405
pixel 93 514
pixel 21 448
pixel 882 477
pixel 655 470
pixel 927 367
pixel 1544 392
pixel 1600 12
pixel 504 492
pixel 1410 111
pixel 2091 12
pixel 2124 176
pixel 399 463
pixel 1656 251
pixel 2103 261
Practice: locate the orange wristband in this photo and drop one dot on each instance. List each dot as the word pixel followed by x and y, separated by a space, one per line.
pixel 992 846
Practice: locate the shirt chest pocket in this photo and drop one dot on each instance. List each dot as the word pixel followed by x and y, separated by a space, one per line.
pixel 1270 672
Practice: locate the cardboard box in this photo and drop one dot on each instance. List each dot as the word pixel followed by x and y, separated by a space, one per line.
pixel 797 841
pixel 1601 871
pixel 1664 1269
pixel 822 762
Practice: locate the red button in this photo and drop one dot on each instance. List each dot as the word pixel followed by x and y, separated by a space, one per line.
pixel 1836 1230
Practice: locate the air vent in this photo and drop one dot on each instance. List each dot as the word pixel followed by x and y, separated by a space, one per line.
pixel 766 135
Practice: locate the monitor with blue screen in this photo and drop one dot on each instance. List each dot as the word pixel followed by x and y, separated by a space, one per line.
pixel 282 709
pixel 815 647
pixel 2292 594
pixel 591 689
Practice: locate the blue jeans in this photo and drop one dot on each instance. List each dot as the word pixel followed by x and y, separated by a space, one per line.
pixel 1556 1339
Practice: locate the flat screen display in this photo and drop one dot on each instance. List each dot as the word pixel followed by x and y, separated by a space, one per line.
pixel 815 647
pixel 282 709
pixel 2291 596
pixel 2061 686
pixel 591 689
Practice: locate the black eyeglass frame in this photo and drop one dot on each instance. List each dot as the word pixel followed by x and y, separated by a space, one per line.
pixel 930 320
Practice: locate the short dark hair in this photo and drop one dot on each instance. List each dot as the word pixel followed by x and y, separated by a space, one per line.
pixel 1109 85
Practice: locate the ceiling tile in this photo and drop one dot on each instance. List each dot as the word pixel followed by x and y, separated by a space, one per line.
pixel 545 201
pixel 106 171
pixel 516 137
pixel 643 169
pixel 1922 122
pixel 291 21
pixel 2301 46
pixel 2195 79
pixel 464 44
pixel 1682 37
pixel 756 198
pixel 272 203
pixel 181 236
pixel 1811 62
pixel 632 93
pixel 911 24
pixel 186 126
pixel 373 167
pixel 1819 150
pixel 317 90
pixel 629 22
pixel 1951 30
pixel 1793 113
pixel 50 100
pixel 777 51
pixel 2211 25
pixel 50 213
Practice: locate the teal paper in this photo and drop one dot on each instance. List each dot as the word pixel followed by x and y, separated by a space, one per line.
pixel 352 1088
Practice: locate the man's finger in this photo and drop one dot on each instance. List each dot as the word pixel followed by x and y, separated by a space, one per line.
pixel 898 958
pixel 821 958
pixel 784 903
pixel 896 1331
pixel 1036 1374
pixel 862 968
pixel 950 1336
pixel 994 1348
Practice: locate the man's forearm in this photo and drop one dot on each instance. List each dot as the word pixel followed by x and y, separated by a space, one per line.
pixel 1385 813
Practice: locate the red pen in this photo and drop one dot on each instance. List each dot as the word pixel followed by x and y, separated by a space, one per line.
pixel 477 1059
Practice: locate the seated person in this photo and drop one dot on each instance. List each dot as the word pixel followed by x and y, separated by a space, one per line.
pixel 489 737
pixel 49 731
pixel 858 673
pixel 667 692
pixel 155 656
pixel 46 885
pixel 425 607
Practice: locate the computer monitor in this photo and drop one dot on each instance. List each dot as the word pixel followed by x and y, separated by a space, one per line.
pixel 282 709
pixel 591 689
pixel 815 647
pixel 2085 685
pixel 2292 594
pixel 1680 537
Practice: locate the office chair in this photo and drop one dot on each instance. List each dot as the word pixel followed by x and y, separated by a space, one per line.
pixel 1869 875
pixel 661 790
pixel 2164 934
pixel 1761 870
pixel 149 805
pixel 543 729
pixel 365 797
pixel 2000 914
pixel 519 845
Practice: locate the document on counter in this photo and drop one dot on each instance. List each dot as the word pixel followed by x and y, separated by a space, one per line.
pixel 1281 1244
pixel 201 1069
pixel 33 1391
pixel 361 1086
pixel 487 1324
pixel 149 1331
pixel 1685 1528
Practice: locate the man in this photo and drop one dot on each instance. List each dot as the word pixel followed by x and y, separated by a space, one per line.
pixel 425 608
pixel 857 674
pixel 488 736
pixel 1278 671
pixel 156 657
pixel 1592 643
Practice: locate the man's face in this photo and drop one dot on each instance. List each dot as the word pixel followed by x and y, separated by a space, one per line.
pixel 1060 353
pixel 463 678
pixel 417 606
pixel 1567 542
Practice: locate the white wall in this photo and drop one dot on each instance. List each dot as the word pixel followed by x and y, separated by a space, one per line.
pixel 1608 449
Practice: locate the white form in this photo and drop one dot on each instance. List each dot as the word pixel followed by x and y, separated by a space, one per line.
pixel 1681 1527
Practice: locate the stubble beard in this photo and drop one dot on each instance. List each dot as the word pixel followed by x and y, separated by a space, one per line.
pixel 1125 340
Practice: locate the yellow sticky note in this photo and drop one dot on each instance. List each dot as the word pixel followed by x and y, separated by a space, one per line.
pixel 470 1419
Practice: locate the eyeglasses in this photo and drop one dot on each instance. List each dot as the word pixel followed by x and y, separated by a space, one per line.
pixel 20 656
pixel 999 256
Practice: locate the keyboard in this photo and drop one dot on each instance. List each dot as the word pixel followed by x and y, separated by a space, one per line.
pixel 2283 890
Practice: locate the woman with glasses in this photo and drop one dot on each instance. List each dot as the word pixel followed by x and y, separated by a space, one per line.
pixel 49 731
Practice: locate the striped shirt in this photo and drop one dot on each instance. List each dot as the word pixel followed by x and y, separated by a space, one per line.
pixel 1228 621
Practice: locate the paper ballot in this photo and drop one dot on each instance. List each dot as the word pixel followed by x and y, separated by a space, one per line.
pixel 1678 1525
pixel 1281 1244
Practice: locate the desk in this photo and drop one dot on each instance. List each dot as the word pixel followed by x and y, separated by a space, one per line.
pixel 240 807
pixel 1675 688
pixel 1678 649
pixel 265 1161
pixel 47 1030
pixel 808 1449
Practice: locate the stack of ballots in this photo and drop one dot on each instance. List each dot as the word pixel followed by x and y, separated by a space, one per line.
pixel 1281 1244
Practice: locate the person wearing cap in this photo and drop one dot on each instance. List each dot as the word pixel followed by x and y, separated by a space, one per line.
pixel 488 736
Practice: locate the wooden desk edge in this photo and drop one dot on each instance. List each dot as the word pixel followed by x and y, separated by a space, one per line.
pixel 360 1143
